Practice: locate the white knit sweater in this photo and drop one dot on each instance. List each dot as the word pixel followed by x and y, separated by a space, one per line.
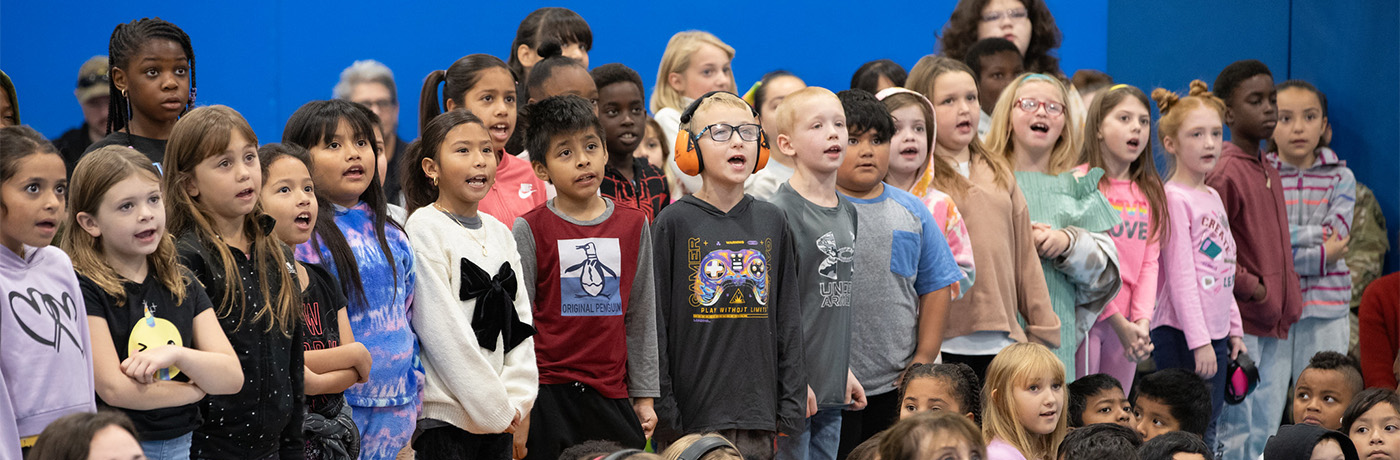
pixel 470 387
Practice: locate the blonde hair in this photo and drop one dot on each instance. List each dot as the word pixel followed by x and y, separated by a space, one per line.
pixel 720 99
pixel 908 438
pixel 786 113
pixel 921 79
pixel 1064 155
pixel 676 59
pixel 729 452
pixel 92 179
pixel 200 134
pixel 1011 367
pixel 1174 108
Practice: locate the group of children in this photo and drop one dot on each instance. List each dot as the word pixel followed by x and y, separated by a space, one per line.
pixel 800 271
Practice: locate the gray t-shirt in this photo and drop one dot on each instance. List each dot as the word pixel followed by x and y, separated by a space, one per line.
pixel 825 240
pixel 901 255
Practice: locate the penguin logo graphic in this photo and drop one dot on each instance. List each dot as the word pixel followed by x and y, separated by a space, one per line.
pixel 151 332
pixel 592 278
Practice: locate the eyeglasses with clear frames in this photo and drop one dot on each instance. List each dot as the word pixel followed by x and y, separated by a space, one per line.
pixel 994 16
pixel 1029 105
pixel 720 132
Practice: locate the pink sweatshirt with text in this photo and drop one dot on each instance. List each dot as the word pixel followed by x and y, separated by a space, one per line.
pixel 1195 292
pixel 1137 251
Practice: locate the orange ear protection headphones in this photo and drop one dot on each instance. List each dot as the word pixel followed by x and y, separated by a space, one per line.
pixel 687 148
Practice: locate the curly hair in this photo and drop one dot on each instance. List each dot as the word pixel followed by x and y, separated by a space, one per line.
pixel 1237 72
pixel 961 32
pixel 608 74
pixel 1334 361
pixel 960 378
pixel 1186 395
pixel 865 113
pixel 557 115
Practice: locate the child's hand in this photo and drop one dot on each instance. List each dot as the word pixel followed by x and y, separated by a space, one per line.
pixel 855 394
pixel 1137 345
pixel 363 361
pixel 514 422
pixel 811 402
pixel 522 432
pixel 1039 232
pixel 1049 243
pixel 1236 347
pixel 1335 248
pixel 143 365
pixel 1205 361
pixel 646 414
pixel 1145 346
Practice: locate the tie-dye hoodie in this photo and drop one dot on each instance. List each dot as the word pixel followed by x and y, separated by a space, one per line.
pixel 380 318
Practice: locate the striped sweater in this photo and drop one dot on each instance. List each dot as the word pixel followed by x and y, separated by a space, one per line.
pixel 1319 200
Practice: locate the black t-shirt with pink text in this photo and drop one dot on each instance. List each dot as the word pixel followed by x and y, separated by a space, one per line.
pixel 320 329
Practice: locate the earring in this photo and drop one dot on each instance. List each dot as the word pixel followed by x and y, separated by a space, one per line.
pixel 434 178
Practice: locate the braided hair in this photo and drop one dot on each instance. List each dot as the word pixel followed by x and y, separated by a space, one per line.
pixel 962 382
pixel 126 40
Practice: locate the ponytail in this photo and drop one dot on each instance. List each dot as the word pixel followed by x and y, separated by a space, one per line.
pixel 418 189
pixel 459 78
pixel 428 107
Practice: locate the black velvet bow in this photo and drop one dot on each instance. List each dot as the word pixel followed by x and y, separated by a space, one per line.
pixel 495 306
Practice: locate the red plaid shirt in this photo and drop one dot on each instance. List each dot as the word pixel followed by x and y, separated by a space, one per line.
pixel 648 193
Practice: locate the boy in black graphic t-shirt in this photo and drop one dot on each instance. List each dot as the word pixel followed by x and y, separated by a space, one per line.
pixel 728 325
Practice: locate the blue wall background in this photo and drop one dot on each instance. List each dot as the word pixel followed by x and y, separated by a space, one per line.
pixel 267 57
pixel 1350 51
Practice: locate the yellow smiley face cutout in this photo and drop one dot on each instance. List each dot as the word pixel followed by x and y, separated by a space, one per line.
pixel 151 332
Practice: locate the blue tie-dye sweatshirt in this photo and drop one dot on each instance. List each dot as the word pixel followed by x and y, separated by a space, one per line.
pixel 380 319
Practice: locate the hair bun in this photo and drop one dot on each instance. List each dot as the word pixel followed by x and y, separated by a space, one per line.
pixel 1165 99
pixel 549 49
pixel 1199 88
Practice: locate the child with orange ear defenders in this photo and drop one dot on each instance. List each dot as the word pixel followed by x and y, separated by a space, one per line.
pixel 729 336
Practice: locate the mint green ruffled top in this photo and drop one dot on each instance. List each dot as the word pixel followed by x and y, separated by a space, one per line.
pixel 1066 201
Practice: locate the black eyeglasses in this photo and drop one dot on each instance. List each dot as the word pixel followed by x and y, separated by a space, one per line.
pixel 720 132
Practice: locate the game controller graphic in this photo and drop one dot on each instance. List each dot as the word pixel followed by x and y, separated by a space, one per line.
pixel 722 269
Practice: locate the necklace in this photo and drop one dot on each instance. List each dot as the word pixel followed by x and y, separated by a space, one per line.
pixel 453 217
